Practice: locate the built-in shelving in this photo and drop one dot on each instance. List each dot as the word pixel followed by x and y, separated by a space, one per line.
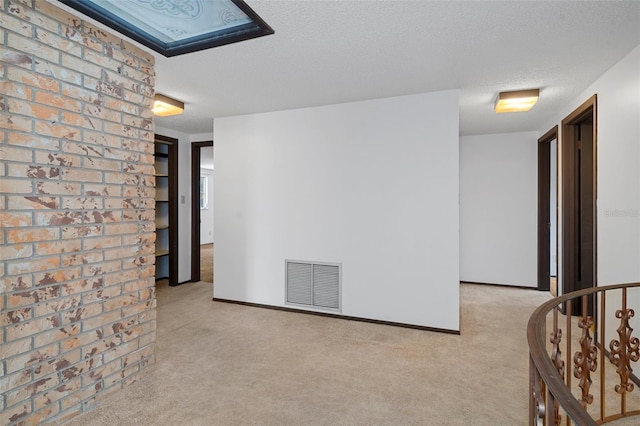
pixel 166 252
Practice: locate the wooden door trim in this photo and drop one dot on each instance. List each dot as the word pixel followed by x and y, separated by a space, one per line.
pixel 195 208
pixel 544 206
pixel 569 188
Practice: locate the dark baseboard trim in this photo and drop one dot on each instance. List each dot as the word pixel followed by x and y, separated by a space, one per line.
pixel 500 285
pixel 338 316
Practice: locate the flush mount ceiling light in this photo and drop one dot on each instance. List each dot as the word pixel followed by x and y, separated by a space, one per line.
pixel 175 27
pixel 165 106
pixel 520 100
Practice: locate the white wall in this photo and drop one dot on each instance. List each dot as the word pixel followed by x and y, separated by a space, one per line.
pixel 498 208
pixel 618 163
pixel 206 215
pixel 372 185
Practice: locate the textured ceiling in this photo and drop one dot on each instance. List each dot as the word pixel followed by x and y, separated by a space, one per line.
pixel 327 52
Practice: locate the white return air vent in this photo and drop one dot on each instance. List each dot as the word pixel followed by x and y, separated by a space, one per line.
pixel 313 284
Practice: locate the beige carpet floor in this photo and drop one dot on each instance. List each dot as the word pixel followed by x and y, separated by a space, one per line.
pixel 225 364
pixel 206 263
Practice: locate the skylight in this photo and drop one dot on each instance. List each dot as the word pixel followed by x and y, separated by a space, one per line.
pixel 175 27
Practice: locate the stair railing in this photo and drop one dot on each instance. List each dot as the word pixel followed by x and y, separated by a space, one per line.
pixel 573 378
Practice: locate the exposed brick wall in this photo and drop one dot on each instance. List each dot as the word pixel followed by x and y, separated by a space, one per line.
pixel 77 212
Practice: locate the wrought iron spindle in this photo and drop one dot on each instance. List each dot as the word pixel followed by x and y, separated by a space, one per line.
pixel 624 350
pixel 585 360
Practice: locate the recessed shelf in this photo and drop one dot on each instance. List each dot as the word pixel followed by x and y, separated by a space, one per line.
pixel 166 206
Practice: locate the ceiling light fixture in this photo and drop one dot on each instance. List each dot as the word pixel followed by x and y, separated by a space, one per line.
pixel 516 101
pixel 165 106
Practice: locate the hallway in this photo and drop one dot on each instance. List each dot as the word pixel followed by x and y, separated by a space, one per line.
pixel 223 364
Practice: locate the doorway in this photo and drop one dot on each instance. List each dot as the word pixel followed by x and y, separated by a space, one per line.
pixel 579 179
pixel 547 212
pixel 198 191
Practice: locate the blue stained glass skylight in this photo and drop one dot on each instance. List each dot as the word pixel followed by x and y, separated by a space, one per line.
pixel 174 27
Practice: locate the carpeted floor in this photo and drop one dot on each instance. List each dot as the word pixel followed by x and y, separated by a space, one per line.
pixel 225 364
pixel 206 263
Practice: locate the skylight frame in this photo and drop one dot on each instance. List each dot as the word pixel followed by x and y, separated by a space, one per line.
pixel 257 28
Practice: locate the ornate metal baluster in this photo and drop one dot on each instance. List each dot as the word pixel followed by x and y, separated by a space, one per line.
pixel 556 358
pixel 586 360
pixel 624 350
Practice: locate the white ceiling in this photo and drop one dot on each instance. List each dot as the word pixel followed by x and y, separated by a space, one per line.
pixel 327 52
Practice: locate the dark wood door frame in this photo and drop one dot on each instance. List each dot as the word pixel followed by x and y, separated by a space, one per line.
pixel 195 208
pixel 544 207
pixel 570 205
pixel 172 144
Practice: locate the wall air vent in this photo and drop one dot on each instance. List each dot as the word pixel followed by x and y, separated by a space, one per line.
pixel 313 284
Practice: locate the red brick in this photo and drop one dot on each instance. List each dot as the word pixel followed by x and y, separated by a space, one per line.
pixel 57 130
pixel 32 79
pixel 121 178
pixel 58 276
pixel 15 58
pixel 57 72
pixel 81 175
pixel 81 231
pixel 101 139
pixel 80 94
pixel 58 159
pixel 15 316
pixel 15 122
pixel 16 186
pixel 32 110
pixel 32 296
pixel 58 101
pixel 17 412
pixel 33 47
pixel 57 247
pixel 44 264
pixel 15 153
pixel 32 235
pixel 58 218
pixel 33 141
pixel 15 90
pixel 43 20
pixel 101 35
pixel 100 112
pixel 34 202
pixel 33 171
pixel 17 347
pixel 56 335
pixel 16 251
pixel 60 43
pixel 118 105
pixel 11 23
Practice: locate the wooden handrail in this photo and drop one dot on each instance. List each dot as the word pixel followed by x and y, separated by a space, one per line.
pixel 548 373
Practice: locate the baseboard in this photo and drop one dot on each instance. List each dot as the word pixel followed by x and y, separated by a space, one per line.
pixel 338 316
pixel 500 285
